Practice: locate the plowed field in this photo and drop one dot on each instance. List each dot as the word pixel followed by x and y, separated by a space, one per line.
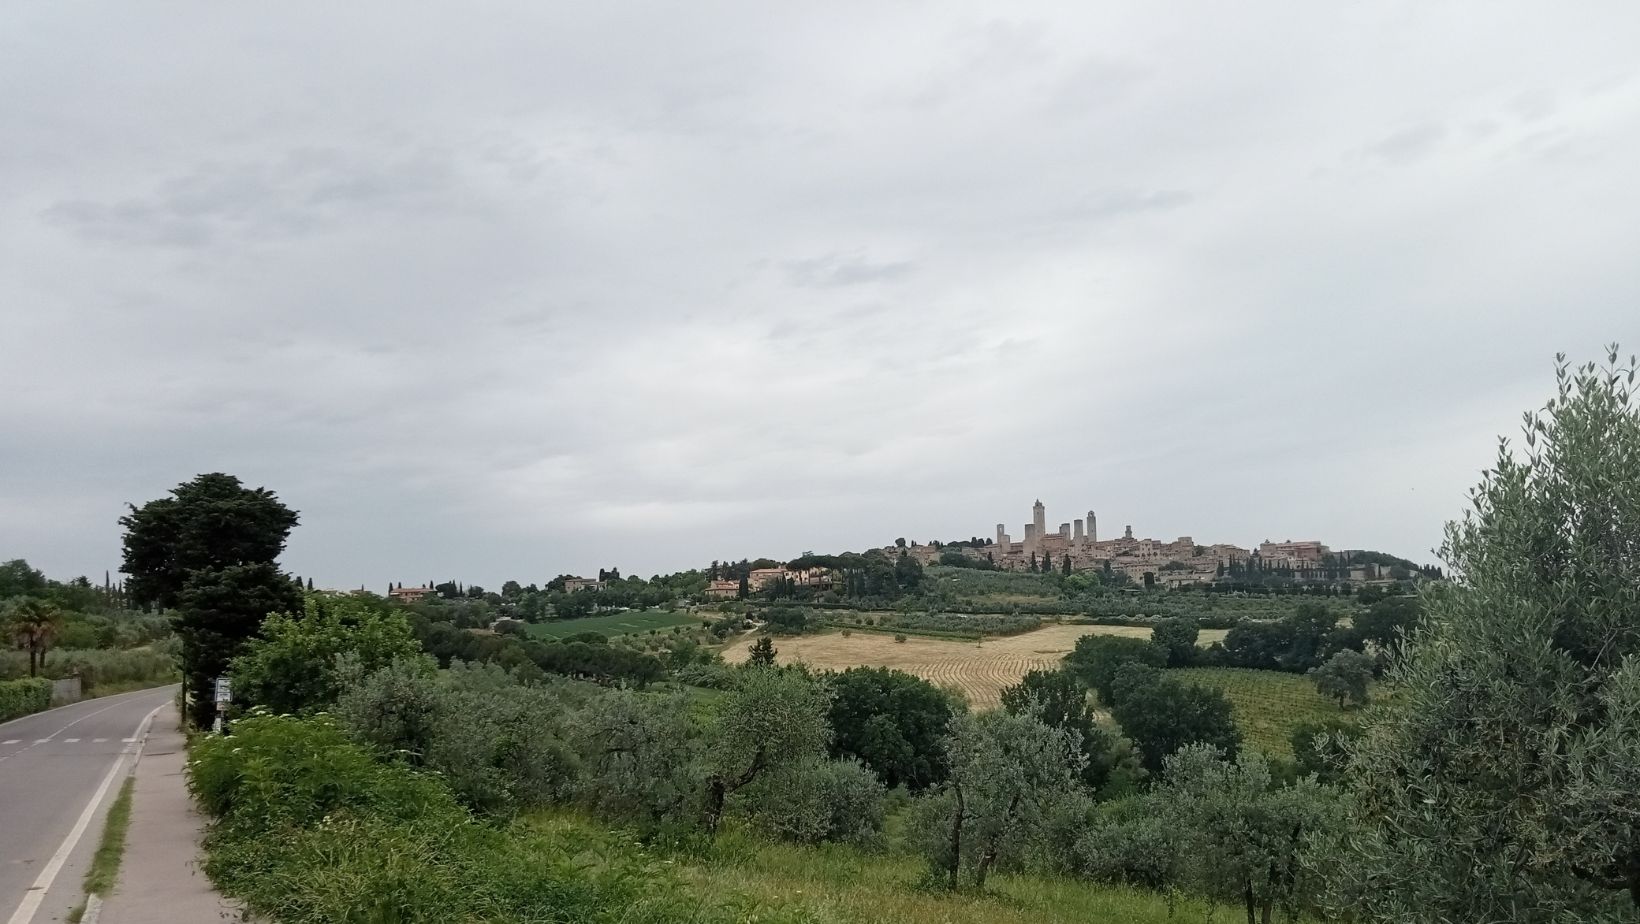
pixel 979 670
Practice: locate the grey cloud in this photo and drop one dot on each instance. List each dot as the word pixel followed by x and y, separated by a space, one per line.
pixel 1409 144
pixel 1109 205
pixel 1534 105
pixel 845 269
pixel 301 192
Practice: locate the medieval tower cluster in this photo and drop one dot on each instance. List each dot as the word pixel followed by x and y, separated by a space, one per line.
pixel 1078 541
pixel 1080 534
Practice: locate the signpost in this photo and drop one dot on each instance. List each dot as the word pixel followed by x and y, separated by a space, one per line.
pixel 224 696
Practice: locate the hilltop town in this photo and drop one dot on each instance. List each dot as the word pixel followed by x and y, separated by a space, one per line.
pixel 1076 546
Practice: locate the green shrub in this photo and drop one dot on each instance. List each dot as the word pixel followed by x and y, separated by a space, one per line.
pixel 819 800
pixel 279 770
pixel 297 662
pixel 23 697
pixel 497 743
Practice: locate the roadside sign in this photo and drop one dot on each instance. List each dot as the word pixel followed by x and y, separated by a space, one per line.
pixel 224 691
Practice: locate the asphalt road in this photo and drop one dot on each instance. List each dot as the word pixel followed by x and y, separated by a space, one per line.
pixel 59 770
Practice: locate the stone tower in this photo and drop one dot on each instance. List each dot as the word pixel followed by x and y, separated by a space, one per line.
pixel 1093 527
pixel 1077 538
pixel 1002 536
pixel 1129 533
pixel 1039 518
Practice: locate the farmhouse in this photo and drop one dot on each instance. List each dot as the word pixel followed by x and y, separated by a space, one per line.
pixel 722 590
pixel 760 578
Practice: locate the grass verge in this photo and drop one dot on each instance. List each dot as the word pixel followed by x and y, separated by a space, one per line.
pixel 1267 705
pixel 105 864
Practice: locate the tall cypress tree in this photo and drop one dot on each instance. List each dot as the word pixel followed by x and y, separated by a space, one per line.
pixel 209 552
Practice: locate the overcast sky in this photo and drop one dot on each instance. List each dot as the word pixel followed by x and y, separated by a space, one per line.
pixel 507 290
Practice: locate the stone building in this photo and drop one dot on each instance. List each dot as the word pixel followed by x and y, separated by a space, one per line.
pixel 1305 553
pixel 722 590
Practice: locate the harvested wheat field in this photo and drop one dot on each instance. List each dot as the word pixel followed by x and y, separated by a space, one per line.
pixel 979 670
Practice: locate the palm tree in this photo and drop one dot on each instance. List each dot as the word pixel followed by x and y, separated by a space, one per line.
pixel 34 625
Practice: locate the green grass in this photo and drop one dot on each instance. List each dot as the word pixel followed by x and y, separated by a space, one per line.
pixel 633 622
pixel 838 884
pixel 1268 705
pixel 105 864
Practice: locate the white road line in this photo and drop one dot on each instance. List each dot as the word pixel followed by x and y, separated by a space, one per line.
pixel 42 884
pixel 71 741
pixel 12 741
pixel 98 740
pixel 118 696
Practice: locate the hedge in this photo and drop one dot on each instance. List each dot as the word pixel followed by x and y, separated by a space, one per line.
pixel 23 697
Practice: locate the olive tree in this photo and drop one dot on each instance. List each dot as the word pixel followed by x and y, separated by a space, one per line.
pixel 639 754
pixel 393 710
pixel 1344 677
pixel 771 718
pixel 1245 837
pixel 1502 782
pixel 1006 773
